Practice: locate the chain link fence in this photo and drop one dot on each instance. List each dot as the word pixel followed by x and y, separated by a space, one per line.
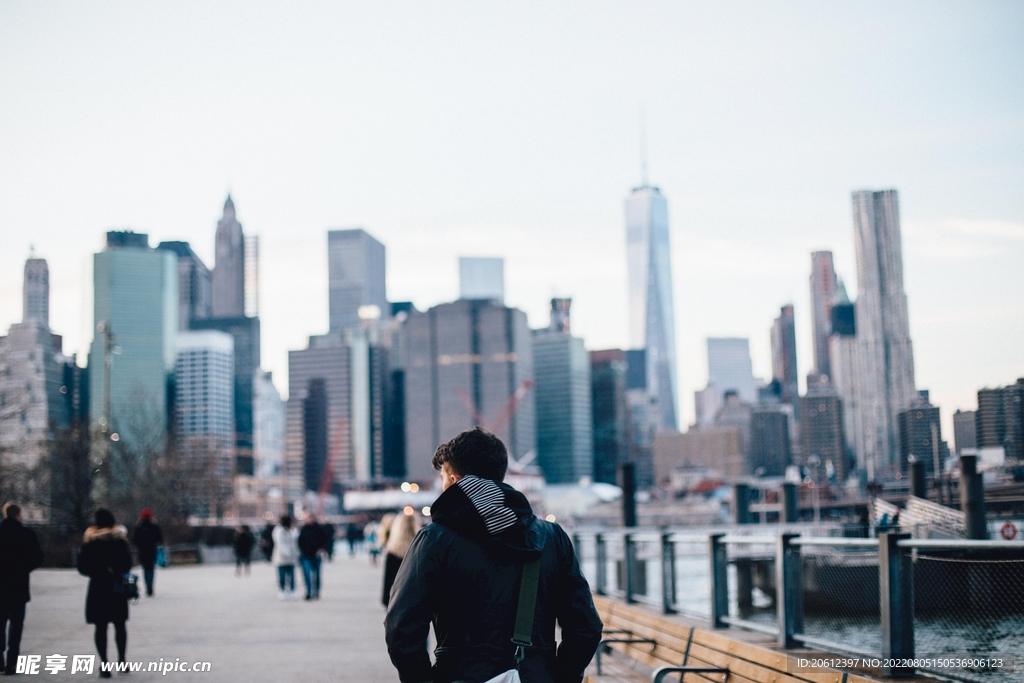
pixel 970 606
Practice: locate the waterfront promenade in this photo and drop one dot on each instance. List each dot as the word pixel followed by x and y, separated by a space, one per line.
pixel 205 613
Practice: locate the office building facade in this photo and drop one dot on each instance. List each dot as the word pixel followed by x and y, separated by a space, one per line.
pixel 824 293
pixel 356 275
pixel 482 278
pixel 610 415
pixel 770 447
pixel 194 285
pixel 885 354
pixel 651 307
pixel 1000 419
pixel 822 429
pixel 469 363
pixel 135 311
pixel 565 446
pixel 920 432
pixel 784 364
pixel 965 431
pixel 730 369
pixel 36 292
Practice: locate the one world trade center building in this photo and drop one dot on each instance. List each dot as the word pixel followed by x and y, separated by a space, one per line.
pixel 651 317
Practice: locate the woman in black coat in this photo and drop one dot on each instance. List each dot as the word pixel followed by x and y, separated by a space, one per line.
pixel 105 557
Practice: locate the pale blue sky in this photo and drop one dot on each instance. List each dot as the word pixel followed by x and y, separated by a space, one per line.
pixel 511 129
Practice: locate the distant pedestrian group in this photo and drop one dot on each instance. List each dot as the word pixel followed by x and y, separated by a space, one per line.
pixel 307 546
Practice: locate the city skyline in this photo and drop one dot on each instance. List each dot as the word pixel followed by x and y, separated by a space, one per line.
pixel 751 196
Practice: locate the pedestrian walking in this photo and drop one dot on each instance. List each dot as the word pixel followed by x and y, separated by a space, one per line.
pixel 354 536
pixel 286 552
pixel 467 570
pixel 267 541
pixel 329 532
pixel 19 555
pixel 147 539
pixel 243 543
pixel 105 557
pixel 372 542
pixel 403 529
pixel 312 544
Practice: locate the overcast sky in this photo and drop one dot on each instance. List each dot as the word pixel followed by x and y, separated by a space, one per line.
pixel 512 129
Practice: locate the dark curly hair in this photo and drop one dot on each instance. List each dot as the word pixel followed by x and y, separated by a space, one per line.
pixel 473 452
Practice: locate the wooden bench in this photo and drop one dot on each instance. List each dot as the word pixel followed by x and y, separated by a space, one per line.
pixel 644 646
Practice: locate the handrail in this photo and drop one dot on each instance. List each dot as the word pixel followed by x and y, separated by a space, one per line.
pixel 962 544
pixel 750 540
pixel 838 542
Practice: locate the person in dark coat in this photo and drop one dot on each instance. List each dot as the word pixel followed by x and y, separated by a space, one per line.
pixel 311 543
pixel 267 541
pixel 243 543
pixel 463 573
pixel 105 557
pixel 147 538
pixel 19 555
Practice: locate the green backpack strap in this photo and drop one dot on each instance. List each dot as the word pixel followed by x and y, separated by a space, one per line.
pixel 527 606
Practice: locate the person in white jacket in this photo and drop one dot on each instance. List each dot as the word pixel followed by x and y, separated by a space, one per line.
pixel 286 553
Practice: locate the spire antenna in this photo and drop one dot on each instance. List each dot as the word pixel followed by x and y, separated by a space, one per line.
pixel 643 148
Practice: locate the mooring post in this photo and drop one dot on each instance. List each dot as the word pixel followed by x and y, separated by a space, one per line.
pixel 789 590
pixel 896 591
pixel 629 560
pixel 719 554
pixel 668 574
pixel 601 553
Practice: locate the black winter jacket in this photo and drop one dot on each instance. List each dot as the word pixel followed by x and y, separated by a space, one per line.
pixel 147 537
pixel 19 554
pixel 463 572
pixel 104 558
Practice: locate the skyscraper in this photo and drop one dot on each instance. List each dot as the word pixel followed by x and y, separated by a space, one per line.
pixel 470 362
pixel 482 277
pixel 135 299
pixel 965 430
pixel 36 292
pixel 610 413
pixel 228 281
pixel 769 441
pixel 651 311
pixel 822 428
pixel 565 446
pixel 33 401
pixel 204 388
pixel 842 351
pixel 784 367
pixel 1000 419
pixel 730 369
pixel 355 268
pixel 194 295
pixel 885 355
pixel 824 293
pixel 920 433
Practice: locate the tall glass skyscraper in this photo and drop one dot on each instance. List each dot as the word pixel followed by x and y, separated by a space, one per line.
pixel 884 353
pixel 651 312
pixel 135 294
pixel 355 270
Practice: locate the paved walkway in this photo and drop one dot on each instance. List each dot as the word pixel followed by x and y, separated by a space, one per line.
pixel 205 613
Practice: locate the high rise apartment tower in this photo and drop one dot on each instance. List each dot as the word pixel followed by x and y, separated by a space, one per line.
pixel 824 293
pixel 651 312
pixel 229 269
pixel 884 353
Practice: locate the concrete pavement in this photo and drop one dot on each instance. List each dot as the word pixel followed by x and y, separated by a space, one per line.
pixel 206 613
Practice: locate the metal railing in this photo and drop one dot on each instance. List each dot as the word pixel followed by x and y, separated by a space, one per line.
pixel 806 589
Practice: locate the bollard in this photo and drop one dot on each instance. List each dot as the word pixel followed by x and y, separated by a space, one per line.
pixel 668 574
pixel 629 560
pixel 972 497
pixel 917 486
pixel 741 504
pixel 628 471
pixel 790 512
pixel 719 554
pixel 896 592
pixel 789 590
pixel 601 553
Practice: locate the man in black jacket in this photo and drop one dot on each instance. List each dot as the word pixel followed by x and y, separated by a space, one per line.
pixel 463 574
pixel 19 555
